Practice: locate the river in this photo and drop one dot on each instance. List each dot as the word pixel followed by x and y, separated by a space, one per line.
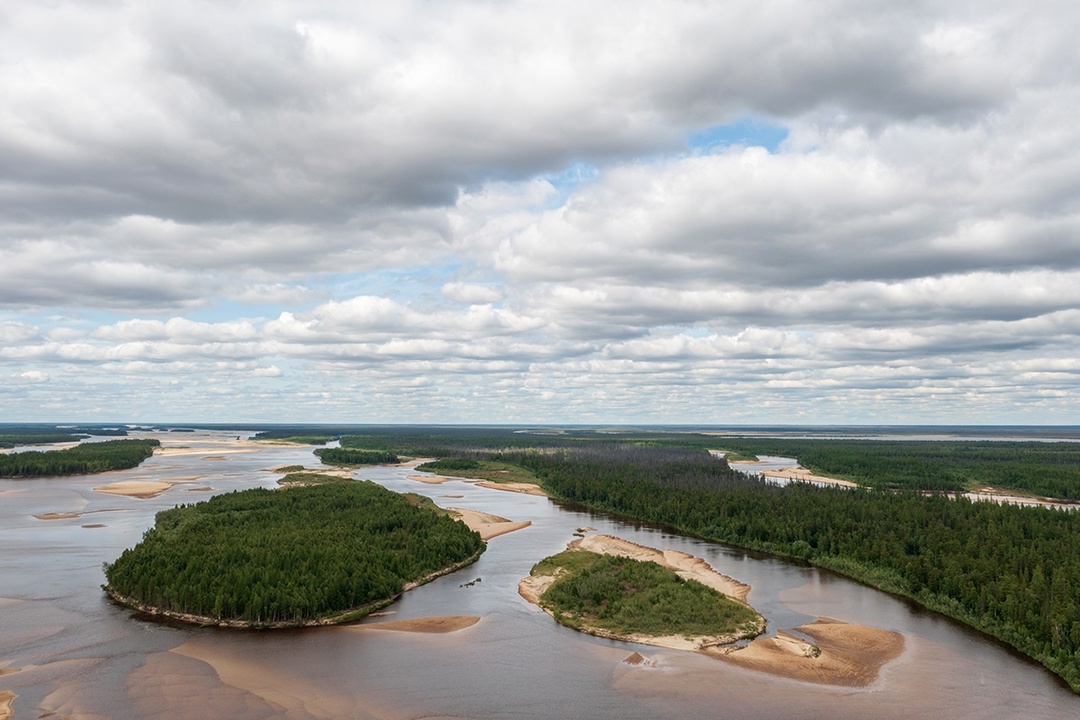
pixel 78 655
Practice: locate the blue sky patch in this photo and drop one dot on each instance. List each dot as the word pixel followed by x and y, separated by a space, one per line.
pixel 747 132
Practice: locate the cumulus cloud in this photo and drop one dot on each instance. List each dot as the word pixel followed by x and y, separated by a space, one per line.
pixel 498 212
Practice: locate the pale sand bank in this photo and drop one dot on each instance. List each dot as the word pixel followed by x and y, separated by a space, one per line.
pixel 848 655
pixel 135 488
pixel 183 450
pixel 72 515
pixel 488 525
pixel 434 625
pixel 57 515
pixel 6 698
pixel 432 479
pixel 799 473
pixel 518 487
pixel 684 565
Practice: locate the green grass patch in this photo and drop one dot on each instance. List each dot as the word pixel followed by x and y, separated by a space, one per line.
pixel 626 597
pixel 490 470
pixel 310 478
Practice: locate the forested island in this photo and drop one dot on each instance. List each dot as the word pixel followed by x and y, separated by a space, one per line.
pixel 351 456
pixel 638 600
pixel 1012 572
pixel 313 553
pixel 83 459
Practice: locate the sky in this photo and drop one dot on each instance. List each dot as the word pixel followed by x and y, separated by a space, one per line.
pixel 491 211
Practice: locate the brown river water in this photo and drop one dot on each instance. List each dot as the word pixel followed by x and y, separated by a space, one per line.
pixel 78 655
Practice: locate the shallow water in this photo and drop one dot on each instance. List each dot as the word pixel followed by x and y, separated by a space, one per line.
pixel 83 656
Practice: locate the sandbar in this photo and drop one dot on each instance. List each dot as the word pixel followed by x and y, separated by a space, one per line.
pixel 432 479
pixel 6 697
pixel 843 654
pixel 682 564
pixel 135 488
pixel 486 524
pixel 437 625
pixel 518 487
pixel 800 474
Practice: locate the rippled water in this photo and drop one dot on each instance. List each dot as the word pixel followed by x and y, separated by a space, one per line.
pixel 83 656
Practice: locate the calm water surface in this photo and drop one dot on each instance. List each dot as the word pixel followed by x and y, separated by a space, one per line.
pixel 81 656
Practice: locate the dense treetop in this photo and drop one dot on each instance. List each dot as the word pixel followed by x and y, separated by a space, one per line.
pixel 627 597
pixel 290 556
pixel 83 459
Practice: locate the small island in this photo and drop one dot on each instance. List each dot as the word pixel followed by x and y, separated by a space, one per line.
pixel 623 598
pixel 310 554
pixel 83 459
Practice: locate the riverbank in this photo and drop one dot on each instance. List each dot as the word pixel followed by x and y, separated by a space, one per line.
pixel 486 524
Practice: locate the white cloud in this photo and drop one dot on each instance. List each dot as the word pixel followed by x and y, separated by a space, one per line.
pixel 391 185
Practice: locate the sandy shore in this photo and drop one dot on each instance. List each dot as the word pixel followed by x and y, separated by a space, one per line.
pixel 682 564
pixel 6 698
pixel 432 479
pixel 135 488
pixel 799 473
pixel 437 625
pixel 488 525
pixel 848 655
pixel 518 487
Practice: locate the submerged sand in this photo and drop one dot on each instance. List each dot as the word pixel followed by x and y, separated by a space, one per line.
pixel 436 625
pixel 486 524
pixel 841 654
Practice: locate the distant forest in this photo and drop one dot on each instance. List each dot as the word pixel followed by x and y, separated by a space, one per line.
pixel 337 550
pixel 1012 572
pixel 83 459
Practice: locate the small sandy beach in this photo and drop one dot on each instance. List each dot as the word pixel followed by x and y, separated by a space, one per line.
pixel 488 525
pixel 518 487
pixel 847 655
pixel 801 474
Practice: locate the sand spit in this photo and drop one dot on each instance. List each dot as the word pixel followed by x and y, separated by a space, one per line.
pixel 518 487
pixel 142 489
pixel 801 474
pixel 684 565
pixel 486 524
pixel 6 698
pixel 431 479
pixel 432 625
pixel 72 515
pixel 842 654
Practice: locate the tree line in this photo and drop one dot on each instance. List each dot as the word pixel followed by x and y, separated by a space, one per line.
pixel 83 459
pixel 1012 572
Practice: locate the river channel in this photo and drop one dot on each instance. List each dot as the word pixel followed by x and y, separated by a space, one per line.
pixel 65 649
